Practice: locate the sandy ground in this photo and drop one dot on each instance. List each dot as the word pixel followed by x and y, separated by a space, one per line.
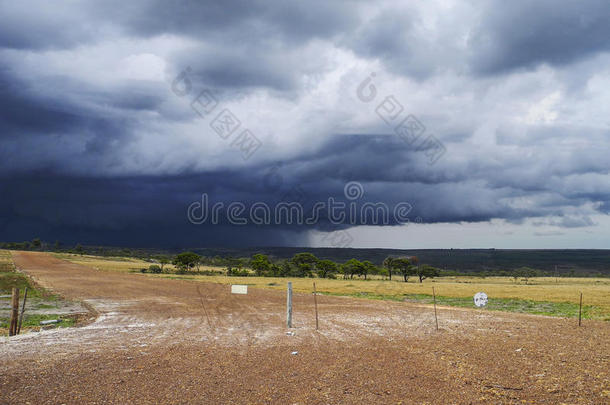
pixel 175 341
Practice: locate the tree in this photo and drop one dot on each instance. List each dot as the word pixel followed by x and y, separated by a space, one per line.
pixel 162 260
pixel 36 243
pixel 326 268
pixel 426 271
pixel 260 264
pixel 382 271
pixel 285 269
pixel 304 263
pixel 343 270
pixel 415 267
pixel 527 273
pixel 276 270
pixel 367 268
pixel 79 249
pixel 404 267
pixel 186 260
pixel 351 267
pixel 389 264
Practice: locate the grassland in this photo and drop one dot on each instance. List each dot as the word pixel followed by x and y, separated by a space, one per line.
pixel 542 295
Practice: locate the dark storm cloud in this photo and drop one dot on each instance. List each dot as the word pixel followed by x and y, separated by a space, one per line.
pixel 501 36
pixel 152 210
pixel 129 209
pixel 26 111
pixel 95 153
pixel 236 21
pixel 243 43
pixel 139 211
pixel 47 124
pixel 43 25
pixel 40 24
pixel 238 67
pixel 522 33
pixel 484 38
pixel 391 172
pixel 396 39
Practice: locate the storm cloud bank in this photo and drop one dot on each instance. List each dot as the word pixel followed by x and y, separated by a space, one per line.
pixel 115 117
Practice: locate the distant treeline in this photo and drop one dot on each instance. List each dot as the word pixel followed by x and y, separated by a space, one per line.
pixel 57 246
pixel 449 262
pixel 482 262
pixel 300 265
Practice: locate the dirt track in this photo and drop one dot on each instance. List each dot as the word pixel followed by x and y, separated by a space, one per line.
pixel 162 341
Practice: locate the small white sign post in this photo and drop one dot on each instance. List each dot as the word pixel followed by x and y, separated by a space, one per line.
pixel 239 289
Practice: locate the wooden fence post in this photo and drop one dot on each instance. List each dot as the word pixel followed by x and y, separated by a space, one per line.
pixel 12 331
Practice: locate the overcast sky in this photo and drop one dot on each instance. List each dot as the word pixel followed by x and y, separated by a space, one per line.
pixel 107 116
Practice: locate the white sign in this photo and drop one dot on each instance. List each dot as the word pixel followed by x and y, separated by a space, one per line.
pixel 480 299
pixel 239 289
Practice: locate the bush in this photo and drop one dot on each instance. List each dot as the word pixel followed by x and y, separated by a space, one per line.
pixel 231 272
pixel 154 269
pixel 186 261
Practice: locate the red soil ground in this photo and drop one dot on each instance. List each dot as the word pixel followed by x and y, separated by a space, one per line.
pixel 174 341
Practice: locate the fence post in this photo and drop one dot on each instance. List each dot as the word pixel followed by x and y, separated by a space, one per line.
pixel 289 305
pixel 580 311
pixel 435 318
pixel 315 302
pixel 12 331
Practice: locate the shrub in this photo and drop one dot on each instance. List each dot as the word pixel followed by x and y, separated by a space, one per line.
pixel 233 272
pixel 186 261
pixel 153 268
